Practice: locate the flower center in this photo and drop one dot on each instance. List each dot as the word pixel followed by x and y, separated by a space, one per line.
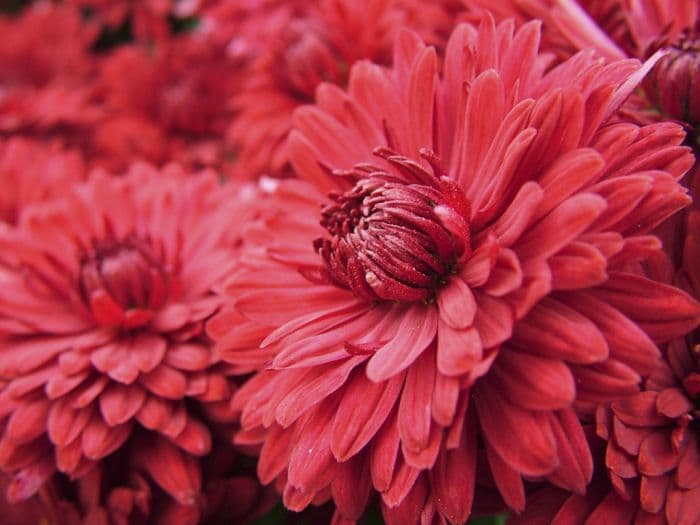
pixel 394 236
pixel 672 85
pixel 123 282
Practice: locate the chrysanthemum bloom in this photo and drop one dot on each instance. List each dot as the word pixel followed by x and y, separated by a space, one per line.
pixel 307 44
pixel 452 270
pixel 32 172
pixel 653 452
pixel 45 69
pixel 165 102
pixel 103 301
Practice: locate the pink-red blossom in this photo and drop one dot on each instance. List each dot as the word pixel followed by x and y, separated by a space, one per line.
pixel 105 292
pixel 454 271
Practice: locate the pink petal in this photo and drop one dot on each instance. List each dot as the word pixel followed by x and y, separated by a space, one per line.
pixel 553 329
pixel 72 363
pixel 445 397
pixel 578 265
pixel 652 492
pixel 456 304
pixel 457 350
pixel 453 478
pixel 307 394
pixel 296 499
pixel 351 488
pixel 575 461
pixel 421 98
pixel 414 419
pixel 672 403
pixel 177 473
pixel 532 382
pixel 494 320
pixel 114 360
pixel 656 456
pixel 682 506
pixel 65 424
pixel 328 343
pixel 59 385
pixel 194 438
pixel 383 455
pixel 165 382
pixel 629 438
pixel 601 382
pixel 688 472
pixel 408 507
pixel 563 224
pixel 663 311
pixel 218 388
pixel 522 438
pixel 147 351
pixel 417 329
pixel 311 464
pixel 506 276
pixel 186 356
pixel 26 385
pixel 639 410
pixel 172 317
pixel 619 462
pixel 100 440
pixel 567 175
pixel 477 269
pixel 363 409
pixel 155 412
pixel 613 509
pixel 69 457
pixel 28 481
pixel 275 453
pixel 18 358
pixel 28 421
pixel 288 303
pixel 424 458
pixel 105 309
pixel 119 403
pixel 403 481
pixel 626 340
pixel 508 481
pixel 517 217
pixel 178 420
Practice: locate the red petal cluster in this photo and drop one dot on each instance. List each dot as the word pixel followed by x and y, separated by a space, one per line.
pixel 388 379
pixel 654 442
pixel 104 298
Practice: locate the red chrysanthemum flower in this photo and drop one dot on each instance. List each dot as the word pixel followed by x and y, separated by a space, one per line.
pixel 304 44
pixel 653 451
pixel 33 172
pixel 165 102
pixel 103 301
pixel 458 265
pixel 45 69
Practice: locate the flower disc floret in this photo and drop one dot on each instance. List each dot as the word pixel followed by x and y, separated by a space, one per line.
pixel 394 238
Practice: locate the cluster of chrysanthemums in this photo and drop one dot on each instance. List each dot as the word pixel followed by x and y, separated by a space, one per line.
pixel 433 259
